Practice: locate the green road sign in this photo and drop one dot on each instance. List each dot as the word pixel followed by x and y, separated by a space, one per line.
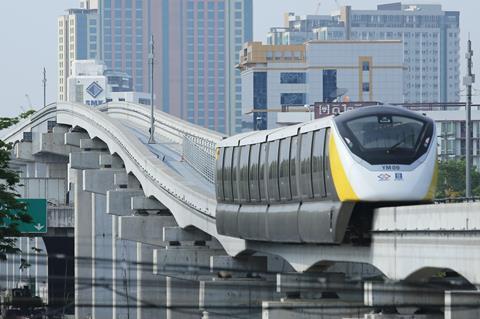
pixel 37 208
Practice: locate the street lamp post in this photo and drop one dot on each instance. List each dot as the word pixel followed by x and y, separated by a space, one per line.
pixel 468 80
pixel 151 140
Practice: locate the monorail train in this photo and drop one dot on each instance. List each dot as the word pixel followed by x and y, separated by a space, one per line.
pixel 318 182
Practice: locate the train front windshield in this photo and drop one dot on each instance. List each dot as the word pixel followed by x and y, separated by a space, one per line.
pixel 386 138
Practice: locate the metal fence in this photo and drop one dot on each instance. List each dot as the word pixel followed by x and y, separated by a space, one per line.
pixel 199 153
pixel 457 200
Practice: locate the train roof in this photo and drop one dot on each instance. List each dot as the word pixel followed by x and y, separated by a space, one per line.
pixel 377 109
pixel 255 137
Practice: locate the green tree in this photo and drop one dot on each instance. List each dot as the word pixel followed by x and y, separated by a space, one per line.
pixel 10 208
pixel 451 179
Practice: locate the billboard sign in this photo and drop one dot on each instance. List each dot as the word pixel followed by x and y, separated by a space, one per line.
pixel 37 209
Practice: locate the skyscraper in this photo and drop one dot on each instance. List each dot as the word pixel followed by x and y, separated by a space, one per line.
pixel 429 34
pixel 124 38
pixel 77 40
pixel 197 43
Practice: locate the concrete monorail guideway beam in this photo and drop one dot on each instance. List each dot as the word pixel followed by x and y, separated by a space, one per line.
pixel 113 172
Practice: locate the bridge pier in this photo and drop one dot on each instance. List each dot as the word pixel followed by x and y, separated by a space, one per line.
pixel 83 245
pixel 462 304
pixel 240 297
pixel 102 276
pixel 151 289
pixel 405 297
pixel 94 165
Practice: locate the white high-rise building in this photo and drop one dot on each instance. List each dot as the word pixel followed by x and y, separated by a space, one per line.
pixel 279 78
pixel 431 39
pixel 77 40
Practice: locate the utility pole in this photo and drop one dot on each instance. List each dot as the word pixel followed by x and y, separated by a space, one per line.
pixel 151 57
pixel 468 81
pixel 44 81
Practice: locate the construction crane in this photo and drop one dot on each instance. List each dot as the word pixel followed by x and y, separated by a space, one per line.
pixel 317 10
pixel 29 101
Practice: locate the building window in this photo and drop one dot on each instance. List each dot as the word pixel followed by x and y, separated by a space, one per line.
pixel 366 87
pixel 293 78
pixel 260 100
pixel 366 66
pixel 293 98
pixel 329 85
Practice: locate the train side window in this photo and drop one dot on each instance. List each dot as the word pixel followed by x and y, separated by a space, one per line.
pixel 262 172
pixel 219 174
pixel 293 167
pixel 284 169
pixel 305 165
pixel 273 193
pixel 235 173
pixel 329 187
pixel 243 169
pixel 227 174
pixel 318 181
pixel 253 173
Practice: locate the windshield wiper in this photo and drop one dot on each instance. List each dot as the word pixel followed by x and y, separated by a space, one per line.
pixel 394 147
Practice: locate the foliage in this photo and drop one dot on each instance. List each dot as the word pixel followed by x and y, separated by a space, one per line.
pixel 6 122
pixel 451 179
pixel 9 179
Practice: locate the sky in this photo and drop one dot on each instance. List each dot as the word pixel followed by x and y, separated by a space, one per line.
pixel 28 31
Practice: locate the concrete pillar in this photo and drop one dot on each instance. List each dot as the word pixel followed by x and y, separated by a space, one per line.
pixel 182 298
pixel 177 234
pixel 312 309
pixel 240 266
pixel 102 295
pixel 115 285
pixel 83 246
pixel 151 293
pixel 235 297
pixel 142 204
pixel 462 304
pixel 119 201
pixel 125 280
pixel 183 260
pixel 99 181
pixel 124 286
pixel 73 138
pixel 144 229
pixel 406 297
pixel 56 170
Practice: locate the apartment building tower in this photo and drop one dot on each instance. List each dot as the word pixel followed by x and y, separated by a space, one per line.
pixel 77 40
pixel 431 39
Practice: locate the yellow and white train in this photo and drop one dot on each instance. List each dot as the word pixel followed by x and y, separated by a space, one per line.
pixel 317 182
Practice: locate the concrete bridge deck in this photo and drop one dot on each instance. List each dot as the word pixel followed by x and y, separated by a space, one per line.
pixel 129 195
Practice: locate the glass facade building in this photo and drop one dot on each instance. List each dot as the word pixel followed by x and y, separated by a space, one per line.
pixel 125 34
pixel 197 45
pixel 196 50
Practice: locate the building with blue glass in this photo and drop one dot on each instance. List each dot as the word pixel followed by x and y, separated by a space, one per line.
pixel 196 50
pixel 197 45
pixel 124 38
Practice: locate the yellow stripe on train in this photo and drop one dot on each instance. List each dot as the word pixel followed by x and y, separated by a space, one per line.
pixel 343 187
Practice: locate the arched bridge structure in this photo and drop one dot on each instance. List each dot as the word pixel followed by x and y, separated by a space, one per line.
pixel 154 194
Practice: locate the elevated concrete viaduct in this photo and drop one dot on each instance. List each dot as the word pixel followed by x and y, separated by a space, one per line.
pixel 145 239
